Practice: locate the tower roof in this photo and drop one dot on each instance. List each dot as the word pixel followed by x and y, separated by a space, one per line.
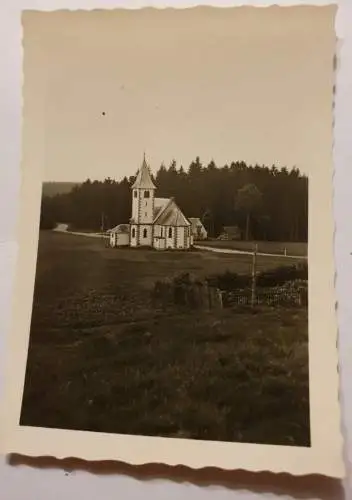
pixel 144 178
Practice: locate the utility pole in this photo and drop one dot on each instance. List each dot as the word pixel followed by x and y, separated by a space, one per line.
pixel 254 275
pixel 102 229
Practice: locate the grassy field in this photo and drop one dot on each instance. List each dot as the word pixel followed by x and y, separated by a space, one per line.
pixel 274 247
pixel 102 359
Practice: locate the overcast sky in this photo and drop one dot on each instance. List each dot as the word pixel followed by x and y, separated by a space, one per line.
pixel 251 84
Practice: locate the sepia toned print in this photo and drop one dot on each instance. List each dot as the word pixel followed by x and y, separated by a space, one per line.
pixel 174 163
pixel 155 320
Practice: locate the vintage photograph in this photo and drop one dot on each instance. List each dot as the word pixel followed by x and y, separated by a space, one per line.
pixel 149 321
pixel 177 156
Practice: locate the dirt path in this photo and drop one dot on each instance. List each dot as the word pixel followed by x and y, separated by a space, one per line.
pixel 246 252
pixel 62 228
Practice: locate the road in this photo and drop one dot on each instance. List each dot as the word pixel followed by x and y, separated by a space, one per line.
pixel 246 252
pixel 62 228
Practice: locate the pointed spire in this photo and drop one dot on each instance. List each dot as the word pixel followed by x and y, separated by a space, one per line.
pixel 144 178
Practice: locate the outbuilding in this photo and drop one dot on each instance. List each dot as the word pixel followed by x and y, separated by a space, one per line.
pixel 119 236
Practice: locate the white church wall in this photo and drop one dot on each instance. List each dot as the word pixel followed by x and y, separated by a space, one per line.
pixel 133 241
pixel 145 235
pixel 158 243
pixel 159 231
pixel 119 239
pixel 146 206
pixel 135 203
pixel 122 239
pixel 180 237
pixel 170 237
pixel 143 205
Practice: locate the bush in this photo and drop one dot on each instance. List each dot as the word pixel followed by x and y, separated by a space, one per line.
pixel 185 291
pixel 282 275
pixel 229 281
pixel 275 277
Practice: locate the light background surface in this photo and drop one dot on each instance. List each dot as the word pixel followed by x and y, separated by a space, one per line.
pixel 22 481
pixel 209 89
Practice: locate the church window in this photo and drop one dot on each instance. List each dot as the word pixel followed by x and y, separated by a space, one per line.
pixel 144 233
pixel 135 193
pixel 133 233
pixel 146 194
pixel 170 232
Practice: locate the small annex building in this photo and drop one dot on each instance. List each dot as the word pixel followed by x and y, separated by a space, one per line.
pixel 198 230
pixel 155 222
pixel 119 235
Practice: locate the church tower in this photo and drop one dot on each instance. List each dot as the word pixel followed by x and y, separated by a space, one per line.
pixel 143 194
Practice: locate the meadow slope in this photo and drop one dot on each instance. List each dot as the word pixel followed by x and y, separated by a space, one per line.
pixel 101 358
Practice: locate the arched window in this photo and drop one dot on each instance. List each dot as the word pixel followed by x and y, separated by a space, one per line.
pixel 170 232
pixel 135 193
pixel 144 233
pixel 133 232
pixel 146 194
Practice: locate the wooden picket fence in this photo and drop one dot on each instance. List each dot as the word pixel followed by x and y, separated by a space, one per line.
pixel 268 296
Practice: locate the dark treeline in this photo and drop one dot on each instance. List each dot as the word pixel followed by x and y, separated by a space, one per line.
pixel 265 203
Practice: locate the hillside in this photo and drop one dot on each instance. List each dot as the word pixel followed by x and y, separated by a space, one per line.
pixel 107 348
pixel 53 188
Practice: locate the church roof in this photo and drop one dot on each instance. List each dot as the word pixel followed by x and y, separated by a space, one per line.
pixel 159 204
pixel 120 229
pixel 171 215
pixel 144 178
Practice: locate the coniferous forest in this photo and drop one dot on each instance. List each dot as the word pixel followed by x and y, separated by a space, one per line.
pixel 266 203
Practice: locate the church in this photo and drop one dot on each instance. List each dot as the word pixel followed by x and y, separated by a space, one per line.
pixel 155 222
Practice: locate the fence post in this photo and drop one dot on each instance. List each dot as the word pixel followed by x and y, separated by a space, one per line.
pixel 254 275
pixel 220 298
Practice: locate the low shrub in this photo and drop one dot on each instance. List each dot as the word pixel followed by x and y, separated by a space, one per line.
pixel 229 281
pixel 283 274
pixel 279 276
